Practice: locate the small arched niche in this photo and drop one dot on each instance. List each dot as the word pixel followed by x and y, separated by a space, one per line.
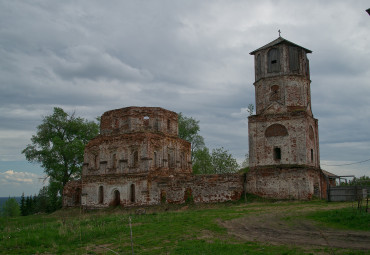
pixel 276 130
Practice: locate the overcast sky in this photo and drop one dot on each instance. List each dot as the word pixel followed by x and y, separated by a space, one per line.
pixel 185 56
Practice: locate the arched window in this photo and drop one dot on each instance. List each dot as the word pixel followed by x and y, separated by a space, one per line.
pixel 132 193
pixel 101 195
pixel 276 130
pixel 273 58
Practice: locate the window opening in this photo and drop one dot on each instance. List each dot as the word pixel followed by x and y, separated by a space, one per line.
pixel 116 198
pixel 132 193
pixel 277 153
pixel 311 155
pixel 273 60
pixel 101 194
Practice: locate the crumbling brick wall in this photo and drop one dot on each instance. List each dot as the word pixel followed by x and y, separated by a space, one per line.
pixel 72 194
pixel 138 159
pixel 287 183
pixel 143 190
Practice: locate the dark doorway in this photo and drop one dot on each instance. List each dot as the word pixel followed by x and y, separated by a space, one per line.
pixel 132 193
pixel 116 198
pixel 277 153
pixel 101 194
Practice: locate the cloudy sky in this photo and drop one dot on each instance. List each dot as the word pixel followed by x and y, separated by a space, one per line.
pixel 185 56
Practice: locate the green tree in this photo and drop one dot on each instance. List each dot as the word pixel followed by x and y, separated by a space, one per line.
pixel 202 163
pixel 188 130
pixel 223 161
pixel 59 145
pixel 11 208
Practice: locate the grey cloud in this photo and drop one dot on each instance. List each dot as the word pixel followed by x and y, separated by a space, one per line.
pixel 191 57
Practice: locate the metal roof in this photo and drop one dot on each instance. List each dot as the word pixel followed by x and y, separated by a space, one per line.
pixel 278 41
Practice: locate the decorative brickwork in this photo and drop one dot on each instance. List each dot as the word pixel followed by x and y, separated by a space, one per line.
pixel 138 159
pixel 283 135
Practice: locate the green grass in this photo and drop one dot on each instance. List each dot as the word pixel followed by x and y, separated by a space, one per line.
pixel 163 230
pixel 345 218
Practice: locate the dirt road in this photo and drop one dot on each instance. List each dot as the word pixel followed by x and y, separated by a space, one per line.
pixel 281 226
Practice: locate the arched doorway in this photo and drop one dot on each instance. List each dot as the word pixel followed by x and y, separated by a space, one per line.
pixel 116 198
pixel 101 194
pixel 132 193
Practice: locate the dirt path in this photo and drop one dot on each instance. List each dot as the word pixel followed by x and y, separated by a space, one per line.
pixel 270 226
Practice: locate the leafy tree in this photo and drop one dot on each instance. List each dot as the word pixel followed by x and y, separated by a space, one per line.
pixel 54 198
pixel 245 163
pixel 220 161
pixel 202 163
pixel 357 181
pixel 223 161
pixel 59 145
pixel 188 130
pixel 11 208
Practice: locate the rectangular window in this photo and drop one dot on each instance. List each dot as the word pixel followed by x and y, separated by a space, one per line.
pixel 277 153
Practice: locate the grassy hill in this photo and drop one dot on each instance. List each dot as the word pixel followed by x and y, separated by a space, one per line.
pixel 227 228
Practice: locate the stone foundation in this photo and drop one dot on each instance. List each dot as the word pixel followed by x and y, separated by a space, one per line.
pixel 287 183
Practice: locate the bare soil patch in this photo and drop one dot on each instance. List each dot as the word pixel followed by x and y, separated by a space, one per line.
pixel 281 226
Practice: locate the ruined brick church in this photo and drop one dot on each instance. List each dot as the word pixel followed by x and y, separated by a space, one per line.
pixel 138 158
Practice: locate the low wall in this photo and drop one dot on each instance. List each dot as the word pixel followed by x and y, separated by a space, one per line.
pixel 347 193
pixel 101 191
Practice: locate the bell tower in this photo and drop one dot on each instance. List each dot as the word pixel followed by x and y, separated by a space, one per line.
pixel 283 131
pixel 284 158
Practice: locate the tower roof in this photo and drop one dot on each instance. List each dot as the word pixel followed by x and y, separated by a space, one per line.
pixel 276 42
